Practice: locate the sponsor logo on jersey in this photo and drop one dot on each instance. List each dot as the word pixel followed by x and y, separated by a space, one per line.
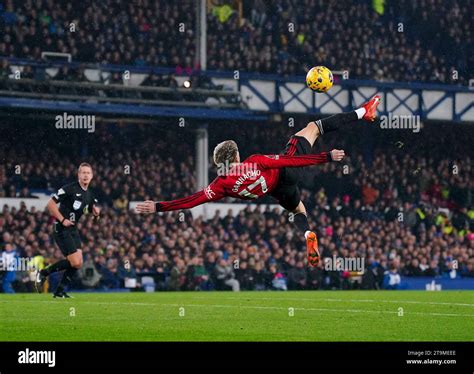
pixel 209 193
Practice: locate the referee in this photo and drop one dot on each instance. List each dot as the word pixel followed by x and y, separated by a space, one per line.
pixel 74 199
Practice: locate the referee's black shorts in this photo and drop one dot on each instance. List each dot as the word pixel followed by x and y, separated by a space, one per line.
pixel 67 239
pixel 287 192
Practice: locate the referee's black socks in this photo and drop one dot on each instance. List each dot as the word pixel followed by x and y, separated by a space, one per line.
pixel 58 266
pixel 66 280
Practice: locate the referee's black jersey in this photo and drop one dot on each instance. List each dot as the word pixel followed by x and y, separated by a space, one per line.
pixel 74 201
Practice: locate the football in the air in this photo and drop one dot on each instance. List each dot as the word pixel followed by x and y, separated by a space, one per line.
pixel 319 79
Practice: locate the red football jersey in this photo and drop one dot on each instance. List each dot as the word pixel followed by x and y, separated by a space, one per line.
pixel 253 178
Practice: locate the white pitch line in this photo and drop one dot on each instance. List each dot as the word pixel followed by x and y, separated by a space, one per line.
pixel 253 307
pixel 57 302
pixel 320 309
pixel 356 301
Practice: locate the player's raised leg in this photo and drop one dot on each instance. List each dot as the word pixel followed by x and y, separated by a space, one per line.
pixel 301 222
pixel 310 132
pixel 367 111
pixel 314 129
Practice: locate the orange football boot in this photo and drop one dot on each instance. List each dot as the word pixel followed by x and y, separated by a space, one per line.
pixel 371 108
pixel 312 250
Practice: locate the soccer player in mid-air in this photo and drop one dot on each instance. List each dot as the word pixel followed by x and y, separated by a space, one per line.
pixel 74 199
pixel 274 175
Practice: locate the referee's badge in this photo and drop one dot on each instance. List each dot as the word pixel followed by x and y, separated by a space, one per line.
pixel 77 204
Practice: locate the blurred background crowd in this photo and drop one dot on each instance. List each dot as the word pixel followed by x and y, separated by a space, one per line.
pixel 389 41
pixel 402 201
pixel 403 204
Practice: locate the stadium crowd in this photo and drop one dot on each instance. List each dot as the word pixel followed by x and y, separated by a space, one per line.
pixel 398 42
pixel 404 206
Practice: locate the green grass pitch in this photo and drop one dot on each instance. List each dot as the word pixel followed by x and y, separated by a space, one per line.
pixel 244 316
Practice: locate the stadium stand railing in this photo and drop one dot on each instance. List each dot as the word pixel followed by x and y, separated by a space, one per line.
pixel 226 95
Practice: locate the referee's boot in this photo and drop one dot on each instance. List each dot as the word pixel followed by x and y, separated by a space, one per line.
pixel 39 281
pixel 61 295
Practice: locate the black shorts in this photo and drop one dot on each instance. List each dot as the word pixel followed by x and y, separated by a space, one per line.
pixel 67 239
pixel 287 192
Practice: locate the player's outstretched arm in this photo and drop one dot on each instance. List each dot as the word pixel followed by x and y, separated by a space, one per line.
pixel 284 161
pixel 211 193
pixel 146 207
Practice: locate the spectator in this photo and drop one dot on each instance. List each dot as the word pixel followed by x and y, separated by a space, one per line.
pixel 297 277
pixel 177 277
pixel 392 279
pixel 8 262
pixel 121 203
pixel 4 69
pixel 109 279
pixel 278 279
pixel 246 276
pixel 225 276
pixel 414 269
pixel 373 276
pixel 370 194
pixel 260 276
pixel 89 275
pixel 198 277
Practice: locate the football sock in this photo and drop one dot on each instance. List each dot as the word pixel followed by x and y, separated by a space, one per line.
pixel 301 222
pixel 58 266
pixel 360 112
pixel 66 280
pixel 332 123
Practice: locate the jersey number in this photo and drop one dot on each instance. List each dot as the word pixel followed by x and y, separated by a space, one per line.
pixel 245 192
